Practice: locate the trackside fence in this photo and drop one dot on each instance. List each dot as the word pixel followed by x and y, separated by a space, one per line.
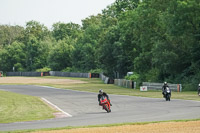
pixel 69 74
pixel 125 83
pixel 29 74
pixel 158 86
pixel 51 73
pixel 118 82
pixel 104 78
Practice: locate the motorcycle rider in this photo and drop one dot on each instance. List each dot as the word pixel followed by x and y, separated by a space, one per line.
pixel 198 90
pixel 101 93
pixel 164 88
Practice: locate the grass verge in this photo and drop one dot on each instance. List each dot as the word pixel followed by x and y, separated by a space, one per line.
pixel 16 108
pixel 60 130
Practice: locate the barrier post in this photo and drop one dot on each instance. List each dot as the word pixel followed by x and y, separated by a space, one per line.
pixel 1 73
pixel 90 75
pixel 178 88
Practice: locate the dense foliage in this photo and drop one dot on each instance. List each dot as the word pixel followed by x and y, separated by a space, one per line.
pixel 158 40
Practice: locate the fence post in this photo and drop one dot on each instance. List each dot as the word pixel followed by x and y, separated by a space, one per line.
pixel 90 75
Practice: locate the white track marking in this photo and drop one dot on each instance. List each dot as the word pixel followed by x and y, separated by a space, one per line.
pixel 66 89
pixel 67 114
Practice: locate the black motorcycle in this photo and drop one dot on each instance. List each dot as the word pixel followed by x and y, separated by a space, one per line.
pixel 167 94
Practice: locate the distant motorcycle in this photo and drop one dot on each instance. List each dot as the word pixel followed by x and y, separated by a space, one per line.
pixel 167 94
pixel 104 102
pixel 198 92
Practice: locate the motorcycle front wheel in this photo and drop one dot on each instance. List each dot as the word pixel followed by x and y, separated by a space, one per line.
pixel 167 97
pixel 106 108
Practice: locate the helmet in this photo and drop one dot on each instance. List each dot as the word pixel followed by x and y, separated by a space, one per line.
pixel 165 83
pixel 100 91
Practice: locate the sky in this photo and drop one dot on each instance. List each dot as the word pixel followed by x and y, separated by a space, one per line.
pixel 48 12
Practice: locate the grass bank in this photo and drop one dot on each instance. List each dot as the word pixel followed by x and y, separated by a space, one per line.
pixel 16 108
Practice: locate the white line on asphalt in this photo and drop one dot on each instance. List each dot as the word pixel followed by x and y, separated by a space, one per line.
pixel 67 114
pixel 66 89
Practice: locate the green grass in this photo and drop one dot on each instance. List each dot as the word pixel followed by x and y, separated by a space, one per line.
pixel 16 108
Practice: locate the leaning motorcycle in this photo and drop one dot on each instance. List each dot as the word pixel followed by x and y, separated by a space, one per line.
pixel 198 92
pixel 167 94
pixel 104 102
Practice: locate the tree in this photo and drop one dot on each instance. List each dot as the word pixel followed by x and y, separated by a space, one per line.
pixel 60 56
pixel 13 56
pixel 34 28
pixel 85 56
pixel 34 36
pixel 9 34
pixel 63 31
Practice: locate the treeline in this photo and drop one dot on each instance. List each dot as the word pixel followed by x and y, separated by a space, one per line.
pixel 159 40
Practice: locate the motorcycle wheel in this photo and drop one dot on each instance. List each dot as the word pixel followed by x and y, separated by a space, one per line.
pixel 106 108
pixel 167 97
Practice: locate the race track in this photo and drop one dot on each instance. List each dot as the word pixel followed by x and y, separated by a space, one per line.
pixel 84 109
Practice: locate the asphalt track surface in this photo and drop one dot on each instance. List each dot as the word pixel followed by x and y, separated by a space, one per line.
pixel 84 109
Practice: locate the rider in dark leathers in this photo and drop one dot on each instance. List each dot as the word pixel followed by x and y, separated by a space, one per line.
pixel 101 93
pixel 198 90
pixel 164 88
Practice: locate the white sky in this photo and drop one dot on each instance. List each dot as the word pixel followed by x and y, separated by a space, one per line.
pixel 48 12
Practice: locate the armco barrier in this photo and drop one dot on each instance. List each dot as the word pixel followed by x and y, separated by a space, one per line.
pixel 94 75
pixel 69 74
pixel 51 73
pixel 29 74
pixel 105 79
pixel 158 86
pixel 125 83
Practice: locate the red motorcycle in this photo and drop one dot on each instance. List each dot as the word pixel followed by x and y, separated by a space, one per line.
pixel 105 103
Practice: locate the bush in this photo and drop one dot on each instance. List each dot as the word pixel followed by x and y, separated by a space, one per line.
pixel 189 87
pixel 70 69
pixel 96 71
pixel 133 77
pixel 45 69
pixel 152 75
